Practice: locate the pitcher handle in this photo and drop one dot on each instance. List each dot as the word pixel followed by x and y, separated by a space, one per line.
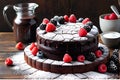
pixel 5 15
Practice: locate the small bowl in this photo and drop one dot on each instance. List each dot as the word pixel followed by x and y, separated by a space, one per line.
pixel 111 39
pixel 109 25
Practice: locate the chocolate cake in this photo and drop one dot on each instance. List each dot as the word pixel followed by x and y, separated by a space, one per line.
pixel 65 39
pixel 66 45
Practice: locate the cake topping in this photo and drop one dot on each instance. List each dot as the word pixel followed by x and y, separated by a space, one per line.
pixel 66 18
pixel 53 21
pixel 42 26
pixel 85 20
pixel 102 68
pixel 61 20
pixel 32 45
pixel 65 28
pixel 50 27
pixel 80 19
pixel 45 21
pixel 72 18
pixel 34 51
pixel 98 53
pixel 81 58
pixel 82 32
pixel 67 58
pixel 90 56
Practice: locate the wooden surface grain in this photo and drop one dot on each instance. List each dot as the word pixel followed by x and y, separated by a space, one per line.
pixel 7 49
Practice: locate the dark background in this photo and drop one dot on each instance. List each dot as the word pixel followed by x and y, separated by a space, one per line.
pixel 49 8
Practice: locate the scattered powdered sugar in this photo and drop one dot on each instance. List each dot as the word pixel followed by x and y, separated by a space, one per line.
pixel 112 35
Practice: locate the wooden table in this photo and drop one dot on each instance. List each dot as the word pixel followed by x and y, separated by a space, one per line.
pixel 7 49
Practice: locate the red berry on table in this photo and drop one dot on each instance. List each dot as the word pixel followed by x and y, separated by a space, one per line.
pixel 82 32
pixel 72 18
pixel 8 62
pixel 32 46
pixel 66 18
pixel 102 68
pixel 67 58
pixel 34 51
pixel 98 53
pixel 19 46
pixel 106 17
pixel 113 16
pixel 50 27
pixel 86 20
pixel 81 58
pixel 45 21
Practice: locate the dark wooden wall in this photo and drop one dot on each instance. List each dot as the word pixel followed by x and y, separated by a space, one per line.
pixel 49 8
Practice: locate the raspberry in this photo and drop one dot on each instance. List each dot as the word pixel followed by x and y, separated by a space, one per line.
pixel 98 53
pixel 86 20
pixel 106 17
pixel 45 21
pixel 67 58
pixel 72 18
pixel 102 68
pixel 113 16
pixel 50 27
pixel 19 46
pixel 8 62
pixel 66 18
pixel 34 51
pixel 81 58
pixel 82 32
pixel 32 46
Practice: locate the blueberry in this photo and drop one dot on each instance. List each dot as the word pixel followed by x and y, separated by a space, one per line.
pixel 80 19
pixel 42 26
pixel 61 20
pixel 40 54
pixel 89 23
pixel 56 18
pixel 53 21
pixel 88 28
pixel 102 49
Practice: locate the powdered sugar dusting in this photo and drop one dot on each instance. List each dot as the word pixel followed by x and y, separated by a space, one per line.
pixel 112 35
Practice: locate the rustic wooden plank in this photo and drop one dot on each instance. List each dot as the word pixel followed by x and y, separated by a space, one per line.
pixel 7 42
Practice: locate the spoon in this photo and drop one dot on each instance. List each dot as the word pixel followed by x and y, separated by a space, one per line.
pixel 115 10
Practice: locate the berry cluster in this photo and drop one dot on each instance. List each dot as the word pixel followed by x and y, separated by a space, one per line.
pixel 50 25
pixel 91 56
pixel 111 16
pixel 113 63
pixel 87 26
